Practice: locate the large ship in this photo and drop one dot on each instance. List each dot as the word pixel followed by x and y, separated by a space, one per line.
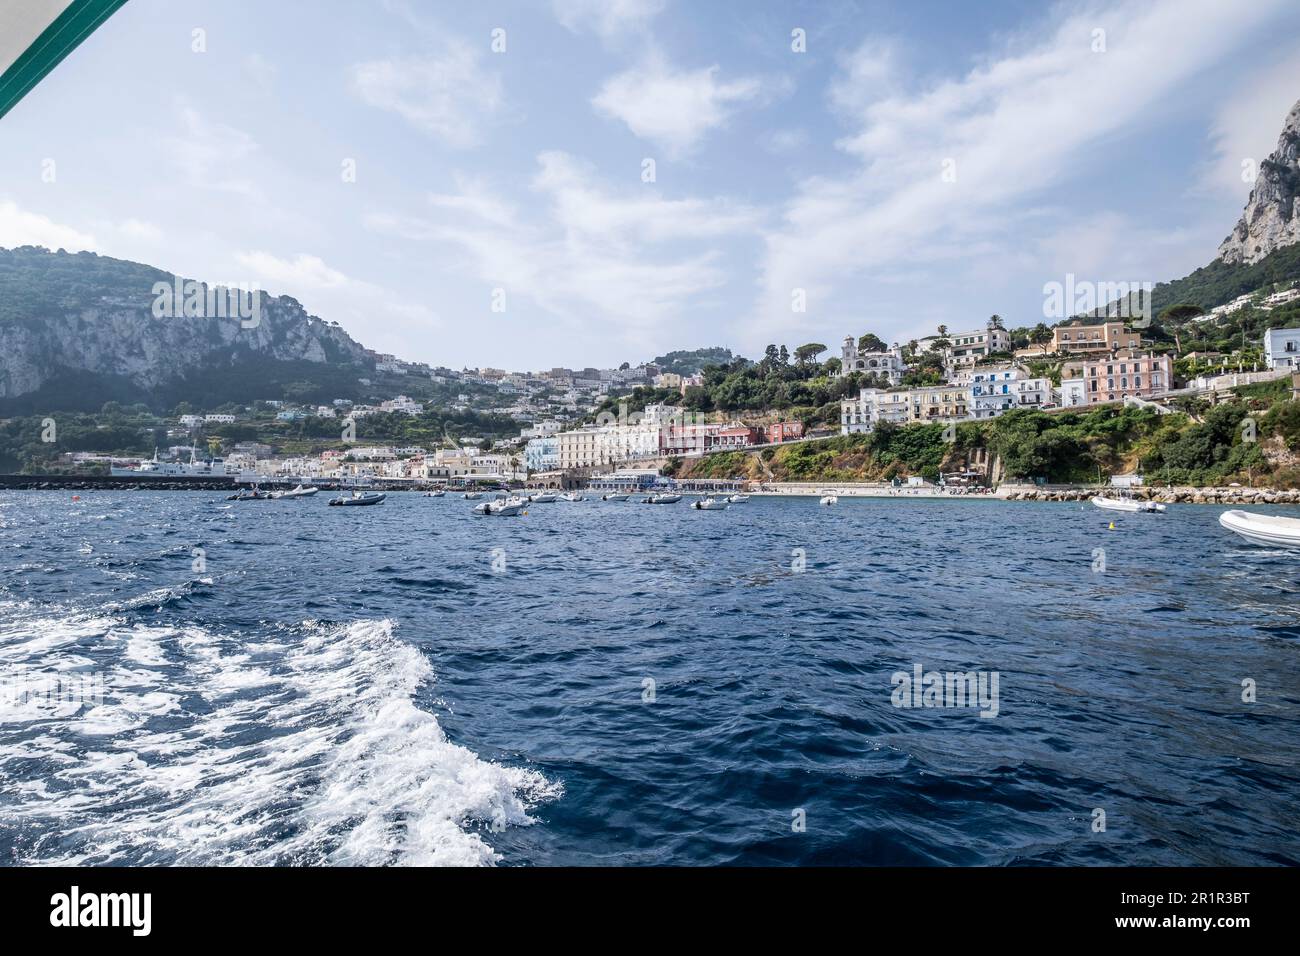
pixel 194 468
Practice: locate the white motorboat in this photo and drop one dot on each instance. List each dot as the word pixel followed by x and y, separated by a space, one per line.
pixel 502 507
pixel 614 496
pixel 711 504
pixel 1127 504
pixel 663 499
pixel 473 495
pixel 433 494
pixel 302 491
pixel 572 496
pixel 738 499
pixel 1274 531
pixel 829 500
pixel 543 497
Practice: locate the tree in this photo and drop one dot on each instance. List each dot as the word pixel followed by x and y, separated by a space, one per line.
pixel 995 321
pixel 1041 335
pixel 785 356
pixel 870 342
pixel 1175 316
pixel 805 353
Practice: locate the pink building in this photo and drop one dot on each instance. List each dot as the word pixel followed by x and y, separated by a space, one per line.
pixel 1111 378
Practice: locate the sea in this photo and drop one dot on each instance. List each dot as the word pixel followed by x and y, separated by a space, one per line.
pixel 190 680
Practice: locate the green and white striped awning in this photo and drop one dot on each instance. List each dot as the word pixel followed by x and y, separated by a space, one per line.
pixel 35 35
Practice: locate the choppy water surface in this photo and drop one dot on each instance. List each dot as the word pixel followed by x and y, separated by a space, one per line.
pixel 360 686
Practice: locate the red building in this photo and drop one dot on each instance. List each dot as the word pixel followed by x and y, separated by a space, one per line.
pixel 734 436
pixel 782 431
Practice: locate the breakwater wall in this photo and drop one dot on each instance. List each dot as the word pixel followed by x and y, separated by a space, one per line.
pixel 1172 495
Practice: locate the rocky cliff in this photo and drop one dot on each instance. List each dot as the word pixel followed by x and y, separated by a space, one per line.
pixel 84 317
pixel 1271 218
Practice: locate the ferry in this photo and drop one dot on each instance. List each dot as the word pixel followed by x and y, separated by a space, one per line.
pixel 194 468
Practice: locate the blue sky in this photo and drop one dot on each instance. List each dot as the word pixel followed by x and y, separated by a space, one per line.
pixel 775 171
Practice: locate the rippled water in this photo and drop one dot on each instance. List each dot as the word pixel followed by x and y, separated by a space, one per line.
pixel 414 684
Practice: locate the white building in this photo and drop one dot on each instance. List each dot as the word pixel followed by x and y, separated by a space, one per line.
pixel 995 390
pixel 1072 393
pixel 190 421
pixel 401 403
pixel 871 407
pixel 542 453
pixel 1282 348
pixel 219 419
pixel 888 364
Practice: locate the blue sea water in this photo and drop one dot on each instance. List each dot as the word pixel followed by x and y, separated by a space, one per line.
pixel 622 684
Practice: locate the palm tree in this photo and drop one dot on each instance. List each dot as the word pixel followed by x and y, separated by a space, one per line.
pixel 995 321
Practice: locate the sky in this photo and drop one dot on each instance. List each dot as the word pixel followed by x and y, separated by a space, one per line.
pixel 588 182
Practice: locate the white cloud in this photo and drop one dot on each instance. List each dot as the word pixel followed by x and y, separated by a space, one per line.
pixel 625 264
pixel 139 229
pixel 376 316
pixel 450 96
pixel 302 272
pixel 673 108
pixel 21 228
pixel 1013 127
pixel 209 153
pixel 607 18
pixel 1247 126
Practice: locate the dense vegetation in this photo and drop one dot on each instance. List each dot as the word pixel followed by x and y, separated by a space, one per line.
pixel 688 362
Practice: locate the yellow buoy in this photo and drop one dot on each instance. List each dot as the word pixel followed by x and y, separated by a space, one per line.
pixel 1112 526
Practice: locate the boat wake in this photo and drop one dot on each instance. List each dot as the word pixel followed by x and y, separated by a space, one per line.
pixel 300 746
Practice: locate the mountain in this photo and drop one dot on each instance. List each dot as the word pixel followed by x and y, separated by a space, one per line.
pixel 1270 220
pixel 77 330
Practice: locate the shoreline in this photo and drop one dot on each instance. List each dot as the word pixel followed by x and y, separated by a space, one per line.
pixel 1179 494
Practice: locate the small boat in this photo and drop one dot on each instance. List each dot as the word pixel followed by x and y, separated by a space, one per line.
pixel 665 499
pixel 301 491
pixel 572 496
pixel 433 494
pixel 830 500
pixel 1127 504
pixel 737 499
pixel 543 497
pixel 502 507
pixel 614 496
pixel 711 504
pixel 359 498
pixel 473 495
pixel 254 494
pixel 1273 531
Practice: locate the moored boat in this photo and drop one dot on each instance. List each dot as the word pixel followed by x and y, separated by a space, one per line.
pixel 664 499
pixel 572 496
pixel 301 491
pixel 1275 531
pixel 1127 504
pixel 502 507
pixel 829 500
pixel 614 496
pixel 737 499
pixel 543 497
pixel 359 498
pixel 711 504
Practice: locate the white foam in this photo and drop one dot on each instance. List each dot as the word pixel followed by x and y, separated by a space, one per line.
pixel 308 747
